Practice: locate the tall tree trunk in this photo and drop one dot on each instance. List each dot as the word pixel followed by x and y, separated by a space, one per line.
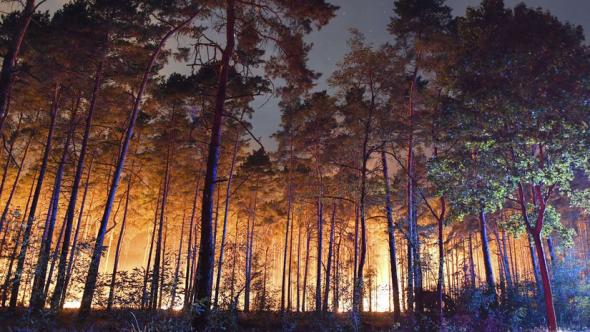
pixel 162 277
pixel 306 268
pixel 73 251
pixel 177 269
pixel 441 262
pixel 232 288
pixel 145 299
pixel 535 264
pixel 71 211
pixel 190 253
pixel 297 283
pixel 31 217
pixel 92 274
pixel 506 263
pixel 487 260
pixel 336 301
pixel 391 239
pixel 226 212
pixel 53 258
pixel 111 297
pixel 412 284
pixel 249 252
pixel 157 260
pixel 471 263
pixel 204 275
pixel 37 301
pixel 16 243
pixel 547 292
pixel 11 57
pixel 329 262
pixel 285 246
pixel 289 300
pixel 319 231
pixel 357 299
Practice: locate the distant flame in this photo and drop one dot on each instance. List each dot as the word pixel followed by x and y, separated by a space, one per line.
pixel 72 304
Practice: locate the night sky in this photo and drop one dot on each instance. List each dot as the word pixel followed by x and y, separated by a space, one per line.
pixel 371 18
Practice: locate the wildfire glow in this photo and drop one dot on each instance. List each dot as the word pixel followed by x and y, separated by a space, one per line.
pixel 72 304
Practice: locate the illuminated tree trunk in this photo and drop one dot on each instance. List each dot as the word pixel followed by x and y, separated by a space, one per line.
pixel 547 292
pixel 297 283
pixel 119 242
pixel 204 275
pixel 471 263
pixel 177 269
pixel 31 217
pixel 411 277
pixel 73 251
pixel 8 275
pixel 319 231
pixel 145 300
pixel 71 211
pixel 487 260
pixel 37 301
pixel 157 260
pixel 162 277
pixel 535 264
pixel 329 262
pixel 391 239
pixel 306 268
pixel 190 253
pixel 506 263
pixel 53 258
pixel 289 300
pixel 249 251
pixel 226 213
pixel 285 247
pixel 441 261
pixel 336 301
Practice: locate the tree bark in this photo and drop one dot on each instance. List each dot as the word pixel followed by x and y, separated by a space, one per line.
pixel 204 275
pixel 306 268
pixel 487 260
pixel 177 269
pixel 35 201
pixel 329 258
pixel 112 286
pixel 73 251
pixel 190 253
pixel 37 301
pixel 145 299
pixel 547 292
pixel 16 244
pixel 319 231
pixel 391 239
pixel 157 260
pixel 226 213
pixel 71 211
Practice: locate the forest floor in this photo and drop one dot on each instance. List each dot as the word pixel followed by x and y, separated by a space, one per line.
pixel 138 320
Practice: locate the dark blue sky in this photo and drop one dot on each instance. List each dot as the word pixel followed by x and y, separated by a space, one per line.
pixel 371 18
